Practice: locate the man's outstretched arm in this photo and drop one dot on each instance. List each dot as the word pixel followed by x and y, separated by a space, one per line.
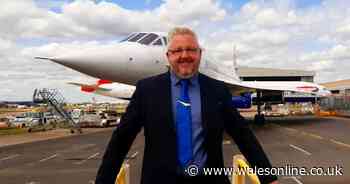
pixel 238 129
pixel 121 141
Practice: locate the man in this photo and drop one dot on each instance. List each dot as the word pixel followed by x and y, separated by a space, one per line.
pixel 184 114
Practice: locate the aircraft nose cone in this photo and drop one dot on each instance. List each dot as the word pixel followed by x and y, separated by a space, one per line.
pixel 69 61
pixel 106 63
pixel 87 63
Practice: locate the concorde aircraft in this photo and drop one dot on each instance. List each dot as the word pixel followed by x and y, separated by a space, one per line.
pixel 142 54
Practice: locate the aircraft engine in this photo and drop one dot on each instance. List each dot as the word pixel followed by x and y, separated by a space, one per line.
pixel 243 102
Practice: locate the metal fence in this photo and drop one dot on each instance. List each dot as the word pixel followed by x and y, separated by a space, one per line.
pixel 338 104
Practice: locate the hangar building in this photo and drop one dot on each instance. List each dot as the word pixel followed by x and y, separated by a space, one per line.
pixel 271 74
pixel 341 87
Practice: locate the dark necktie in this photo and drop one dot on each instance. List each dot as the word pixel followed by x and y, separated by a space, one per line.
pixel 184 125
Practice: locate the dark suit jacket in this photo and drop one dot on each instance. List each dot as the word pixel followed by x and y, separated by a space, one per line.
pixel 150 107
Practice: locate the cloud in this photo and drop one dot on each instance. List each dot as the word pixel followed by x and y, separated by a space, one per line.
pixel 178 11
pixel 320 65
pixel 337 52
pixel 265 37
pixel 270 14
pixel 85 19
pixel 277 34
pixel 5 45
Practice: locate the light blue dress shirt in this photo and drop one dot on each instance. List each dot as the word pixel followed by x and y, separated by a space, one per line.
pixel 199 154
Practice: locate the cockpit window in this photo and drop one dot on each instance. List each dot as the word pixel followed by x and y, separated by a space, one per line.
pixel 158 42
pixel 148 39
pixel 137 37
pixel 128 37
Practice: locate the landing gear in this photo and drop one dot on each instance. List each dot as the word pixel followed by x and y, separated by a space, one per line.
pixel 259 118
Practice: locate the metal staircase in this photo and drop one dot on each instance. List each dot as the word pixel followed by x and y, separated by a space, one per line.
pixel 53 98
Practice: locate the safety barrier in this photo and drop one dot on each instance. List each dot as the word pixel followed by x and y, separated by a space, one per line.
pixel 240 164
pixel 124 175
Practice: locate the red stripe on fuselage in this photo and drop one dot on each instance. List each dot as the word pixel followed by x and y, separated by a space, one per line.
pixel 88 89
pixel 103 81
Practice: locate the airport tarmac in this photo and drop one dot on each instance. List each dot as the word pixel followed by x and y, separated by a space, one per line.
pixel 298 141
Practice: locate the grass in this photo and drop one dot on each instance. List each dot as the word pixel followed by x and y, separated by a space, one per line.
pixel 12 131
pixel 5 110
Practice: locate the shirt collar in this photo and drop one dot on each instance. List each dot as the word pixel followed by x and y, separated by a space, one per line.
pixel 175 80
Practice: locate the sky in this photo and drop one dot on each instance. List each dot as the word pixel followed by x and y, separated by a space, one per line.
pixel 289 34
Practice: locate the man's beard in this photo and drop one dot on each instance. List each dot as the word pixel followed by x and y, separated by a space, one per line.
pixel 187 75
pixel 184 76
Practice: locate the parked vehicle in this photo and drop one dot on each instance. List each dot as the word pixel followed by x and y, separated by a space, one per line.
pixel 20 121
pixel 96 119
pixel 90 119
pixel 4 122
pixel 30 119
pixel 276 110
pixel 108 118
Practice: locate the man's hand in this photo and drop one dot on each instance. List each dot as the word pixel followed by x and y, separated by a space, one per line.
pixel 274 182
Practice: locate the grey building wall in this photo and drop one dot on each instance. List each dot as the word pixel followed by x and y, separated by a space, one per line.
pixel 272 74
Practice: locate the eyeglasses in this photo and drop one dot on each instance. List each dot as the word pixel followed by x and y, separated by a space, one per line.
pixel 192 51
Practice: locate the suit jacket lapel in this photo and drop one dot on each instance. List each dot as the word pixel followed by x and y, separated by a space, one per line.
pixel 204 91
pixel 165 97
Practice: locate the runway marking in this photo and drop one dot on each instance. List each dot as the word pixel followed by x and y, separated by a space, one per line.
pixel 300 149
pixel 90 157
pixel 293 178
pixel 30 164
pixel 48 158
pixel 78 147
pixel 93 156
pixel 32 182
pixel 134 155
pixel 315 136
pixel 291 129
pixel 340 143
pixel 9 157
pixel 296 180
pixel 304 133
pixel 85 146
